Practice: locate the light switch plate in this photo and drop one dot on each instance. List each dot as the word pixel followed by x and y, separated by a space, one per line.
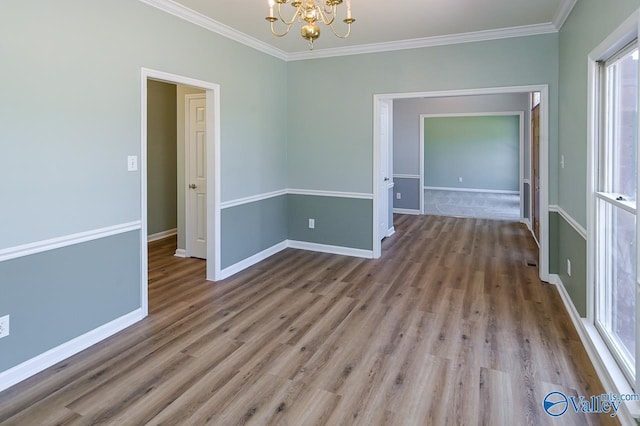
pixel 132 163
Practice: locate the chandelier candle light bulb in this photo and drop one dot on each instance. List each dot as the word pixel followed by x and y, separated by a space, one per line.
pixel 308 12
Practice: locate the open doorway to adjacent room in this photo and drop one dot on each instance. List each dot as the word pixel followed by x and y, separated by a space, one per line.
pixel 179 151
pixel 479 153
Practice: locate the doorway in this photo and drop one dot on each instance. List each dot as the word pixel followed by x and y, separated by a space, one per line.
pixel 543 158
pixel 211 163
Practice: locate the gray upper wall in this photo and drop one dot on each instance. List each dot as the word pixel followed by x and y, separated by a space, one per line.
pixel 70 110
pixel 590 22
pixel 330 138
pixel 406 122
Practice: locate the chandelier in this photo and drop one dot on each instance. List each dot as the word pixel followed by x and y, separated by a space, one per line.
pixel 309 11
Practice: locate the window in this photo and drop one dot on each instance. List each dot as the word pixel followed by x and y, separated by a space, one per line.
pixel 615 207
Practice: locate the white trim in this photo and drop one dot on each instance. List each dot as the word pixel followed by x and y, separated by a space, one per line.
pixel 408 211
pixel 400 176
pixel 391 231
pixel 544 153
pixel 612 378
pixel 53 356
pixel 391 185
pixel 338 194
pixel 67 240
pixel 252 260
pixel 252 199
pixel 324 248
pixel 162 235
pixel 180 253
pixel 527 181
pixel 217 27
pixel 563 12
pixel 488 191
pixel 570 220
pixel 416 43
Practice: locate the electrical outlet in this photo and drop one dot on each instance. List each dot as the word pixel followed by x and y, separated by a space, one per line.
pixel 569 267
pixel 460 179
pixel 312 223
pixel 398 196
pixel 4 326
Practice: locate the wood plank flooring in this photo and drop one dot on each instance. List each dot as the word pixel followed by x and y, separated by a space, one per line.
pixel 450 327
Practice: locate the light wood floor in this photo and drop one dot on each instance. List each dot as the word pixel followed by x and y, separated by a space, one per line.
pixel 450 326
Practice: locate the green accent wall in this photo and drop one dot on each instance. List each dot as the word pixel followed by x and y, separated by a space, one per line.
pixel 251 228
pixel 161 157
pixel 482 150
pixel 58 295
pixel 345 222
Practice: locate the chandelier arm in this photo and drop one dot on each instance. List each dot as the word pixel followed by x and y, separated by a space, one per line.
pixel 277 34
pixel 288 23
pixel 341 36
pixel 324 18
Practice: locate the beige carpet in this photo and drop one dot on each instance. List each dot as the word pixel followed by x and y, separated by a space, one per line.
pixel 480 205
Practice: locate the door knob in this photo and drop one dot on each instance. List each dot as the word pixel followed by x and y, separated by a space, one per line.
pixel 193 186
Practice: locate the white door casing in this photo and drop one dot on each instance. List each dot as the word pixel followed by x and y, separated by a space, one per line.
pixel 385 175
pixel 196 176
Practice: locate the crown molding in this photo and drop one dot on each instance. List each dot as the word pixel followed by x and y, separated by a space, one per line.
pixel 217 27
pixel 416 43
pixel 183 12
pixel 565 8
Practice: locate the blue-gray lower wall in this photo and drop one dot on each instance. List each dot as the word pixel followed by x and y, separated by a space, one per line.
pixel 345 222
pixel 566 243
pixel 250 228
pixel 409 190
pixel 58 295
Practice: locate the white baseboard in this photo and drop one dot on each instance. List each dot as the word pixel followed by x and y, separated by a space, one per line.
pixel 488 191
pixel 250 261
pixel 323 248
pixel 407 211
pixel 53 356
pixel 160 235
pixel 181 253
pixel 391 231
pixel 612 378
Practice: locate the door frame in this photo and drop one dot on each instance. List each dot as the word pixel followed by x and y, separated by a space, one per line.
pixel 519 114
pixel 212 94
pixel 187 169
pixel 544 156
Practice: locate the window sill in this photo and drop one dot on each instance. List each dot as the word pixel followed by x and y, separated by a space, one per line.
pixel 606 367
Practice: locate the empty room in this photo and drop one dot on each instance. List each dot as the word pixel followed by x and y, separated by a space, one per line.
pixel 216 218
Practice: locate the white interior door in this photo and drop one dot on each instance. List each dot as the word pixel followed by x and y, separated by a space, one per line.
pixel 196 173
pixel 383 183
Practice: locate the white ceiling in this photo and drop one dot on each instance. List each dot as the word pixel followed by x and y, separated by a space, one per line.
pixel 380 21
